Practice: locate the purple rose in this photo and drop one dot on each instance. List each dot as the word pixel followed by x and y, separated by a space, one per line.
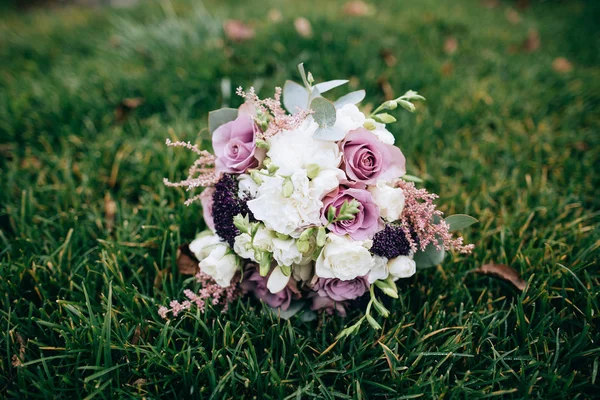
pixel 206 199
pixel 329 306
pixel 368 160
pixel 234 144
pixel 257 284
pixel 339 290
pixel 364 224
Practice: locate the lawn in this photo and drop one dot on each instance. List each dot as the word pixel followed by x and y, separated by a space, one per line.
pixel 89 234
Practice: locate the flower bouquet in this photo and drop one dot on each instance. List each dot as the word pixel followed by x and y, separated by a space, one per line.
pixel 311 208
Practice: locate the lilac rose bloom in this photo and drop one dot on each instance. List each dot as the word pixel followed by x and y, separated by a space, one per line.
pixel 339 290
pixel 365 223
pixel 234 144
pixel 206 199
pixel 257 284
pixel 368 160
pixel 328 305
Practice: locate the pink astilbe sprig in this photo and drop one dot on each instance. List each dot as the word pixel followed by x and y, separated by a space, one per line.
pixel 201 173
pixel 418 219
pixel 279 119
pixel 210 292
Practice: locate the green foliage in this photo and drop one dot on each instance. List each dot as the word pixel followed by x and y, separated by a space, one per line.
pixel 503 137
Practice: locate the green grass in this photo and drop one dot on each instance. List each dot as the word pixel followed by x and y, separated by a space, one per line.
pixel 503 137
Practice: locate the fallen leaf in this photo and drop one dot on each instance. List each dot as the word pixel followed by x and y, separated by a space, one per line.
pixel 237 30
pixel 388 91
pixel 512 16
pixel 303 27
pixel 490 3
pixel 388 57
pixel 187 264
pixel 17 360
pixel 126 106
pixel 136 335
pixel 450 45
pixel 357 9
pixel 562 65
pixel 275 15
pixel 110 209
pixel 533 42
pixel 504 272
pixel 447 69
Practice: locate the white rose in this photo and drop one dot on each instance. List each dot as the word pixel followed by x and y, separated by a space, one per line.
pixel 296 149
pixel 402 267
pixel 326 181
pixel 286 214
pixel 383 134
pixel 242 246
pixel 221 265
pixel 247 187
pixel 390 200
pixel 285 252
pixel 380 269
pixel 203 244
pixel 343 258
pixel 348 118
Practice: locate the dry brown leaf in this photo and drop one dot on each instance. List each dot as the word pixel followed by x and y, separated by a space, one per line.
pixel 303 27
pixel 512 16
pixel 126 106
pixel 136 335
pixel 504 272
pixel 447 69
pixel 562 65
pixel 187 264
pixel 388 91
pixel 17 360
pixel 450 45
pixel 533 42
pixel 110 209
pixel 237 30
pixel 275 15
pixel 388 57
pixel 357 9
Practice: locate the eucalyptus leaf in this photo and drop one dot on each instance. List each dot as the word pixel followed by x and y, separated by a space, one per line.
pixel 295 96
pixel 293 309
pixel 324 112
pixel 308 316
pixel 331 134
pixel 430 257
pixel 327 86
pixel 221 116
pixel 460 221
pixel 350 98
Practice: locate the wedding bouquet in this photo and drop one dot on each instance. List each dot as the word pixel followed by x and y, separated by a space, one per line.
pixel 311 208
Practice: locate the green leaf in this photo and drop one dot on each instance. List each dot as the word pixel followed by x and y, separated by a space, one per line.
pixel 350 98
pixel 327 86
pixel 384 118
pixel 293 309
pixel 219 117
pixel 430 257
pixel 295 96
pixel 459 221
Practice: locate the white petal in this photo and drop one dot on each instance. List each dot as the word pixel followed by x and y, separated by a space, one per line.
pixel 277 281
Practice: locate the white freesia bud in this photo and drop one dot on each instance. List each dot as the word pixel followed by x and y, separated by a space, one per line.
pixel 302 272
pixel 277 280
pixel 390 200
pixel 402 267
pixel 221 265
